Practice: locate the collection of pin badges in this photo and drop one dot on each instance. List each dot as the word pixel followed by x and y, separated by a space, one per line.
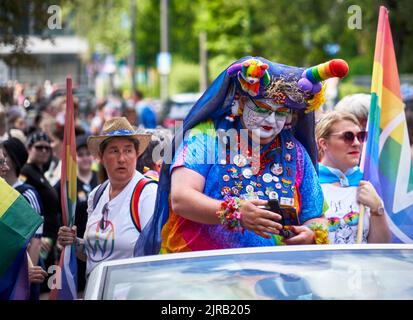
pixel 278 178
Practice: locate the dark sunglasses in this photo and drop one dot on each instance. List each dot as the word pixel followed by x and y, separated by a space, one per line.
pixel 349 136
pixel 40 148
pixel 104 220
pixel 3 162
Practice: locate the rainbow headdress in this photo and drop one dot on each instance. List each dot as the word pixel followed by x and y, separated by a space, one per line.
pixel 257 78
pixel 295 88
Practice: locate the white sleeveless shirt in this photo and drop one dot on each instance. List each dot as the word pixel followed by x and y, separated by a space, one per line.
pixel 118 237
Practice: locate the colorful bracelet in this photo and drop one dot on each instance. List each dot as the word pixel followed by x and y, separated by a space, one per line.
pixel 320 232
pixel 229 214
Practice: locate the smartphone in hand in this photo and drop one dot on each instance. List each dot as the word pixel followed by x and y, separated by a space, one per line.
pixel 289 217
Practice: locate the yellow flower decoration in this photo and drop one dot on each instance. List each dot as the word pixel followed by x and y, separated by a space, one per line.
pixel 320 231
pixel 318 100
pixel 321 237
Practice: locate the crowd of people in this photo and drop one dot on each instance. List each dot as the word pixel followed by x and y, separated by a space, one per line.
pixel 290 176
pixel 31 139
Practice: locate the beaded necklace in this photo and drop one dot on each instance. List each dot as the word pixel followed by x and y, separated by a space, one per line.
pixel 264 158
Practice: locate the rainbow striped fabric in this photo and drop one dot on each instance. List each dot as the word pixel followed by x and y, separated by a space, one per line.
pixel 387 161
pixel 18 223
pixel 68 195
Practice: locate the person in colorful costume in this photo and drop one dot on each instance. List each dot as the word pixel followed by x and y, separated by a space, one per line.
pixel 218 188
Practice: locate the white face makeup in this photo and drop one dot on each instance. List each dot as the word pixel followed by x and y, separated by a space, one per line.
pixel 269 123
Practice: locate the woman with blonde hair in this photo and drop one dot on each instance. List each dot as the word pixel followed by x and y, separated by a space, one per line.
pixel 357 104
pixel 339 139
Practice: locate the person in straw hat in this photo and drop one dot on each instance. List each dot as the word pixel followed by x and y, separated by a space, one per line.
pixel 121 207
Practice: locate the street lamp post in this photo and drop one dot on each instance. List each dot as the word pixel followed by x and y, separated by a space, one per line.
pixel 164 50
pixel 203 59
pixel 132 59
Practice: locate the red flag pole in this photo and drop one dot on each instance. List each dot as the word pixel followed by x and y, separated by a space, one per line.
pixel 68 159
pixel 64 157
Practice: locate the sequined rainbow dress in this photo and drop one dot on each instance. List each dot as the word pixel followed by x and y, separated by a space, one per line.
pixel 285 173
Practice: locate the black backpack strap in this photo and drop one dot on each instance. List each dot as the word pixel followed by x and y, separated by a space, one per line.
pixel 98 193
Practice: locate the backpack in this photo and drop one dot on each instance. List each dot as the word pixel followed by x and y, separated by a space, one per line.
pixel 134 203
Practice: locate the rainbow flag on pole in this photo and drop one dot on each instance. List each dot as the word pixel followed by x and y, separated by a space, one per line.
pixel 68 195
pixel 18 223
pixel 387 162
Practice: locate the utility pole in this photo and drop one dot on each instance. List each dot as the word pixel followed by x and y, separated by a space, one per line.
pixel 164 51
pixel 133 41
pixel 203 61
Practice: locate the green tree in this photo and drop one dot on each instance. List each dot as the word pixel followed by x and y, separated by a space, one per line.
pixel 297 32
pixel 292 32
pixel 18 20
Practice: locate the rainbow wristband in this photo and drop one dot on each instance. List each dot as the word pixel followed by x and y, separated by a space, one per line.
pixel 229 214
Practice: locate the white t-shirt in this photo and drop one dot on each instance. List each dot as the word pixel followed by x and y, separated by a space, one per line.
pixel 343 214
pixel 118 238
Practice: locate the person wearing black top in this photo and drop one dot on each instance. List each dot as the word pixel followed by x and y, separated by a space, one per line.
pixel 39 149
pixel 16 154
pixel 86 181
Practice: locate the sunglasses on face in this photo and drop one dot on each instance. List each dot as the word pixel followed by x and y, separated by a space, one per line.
pixel 3 162
pixel 349 136
pixel 42 148
pixel 81 155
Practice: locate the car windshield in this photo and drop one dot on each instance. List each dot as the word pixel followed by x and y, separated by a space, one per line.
pixel 327 274
pixel 181 104
pixel 180 110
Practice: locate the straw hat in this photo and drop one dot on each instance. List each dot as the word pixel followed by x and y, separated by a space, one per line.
pixel 117 127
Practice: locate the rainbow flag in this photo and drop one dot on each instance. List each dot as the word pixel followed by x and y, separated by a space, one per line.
pixel 387 161
pixel 68 195
pixel 18 223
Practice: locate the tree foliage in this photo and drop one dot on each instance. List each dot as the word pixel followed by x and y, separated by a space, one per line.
pixel 297 32
pixel 18 20
pixel 292 32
